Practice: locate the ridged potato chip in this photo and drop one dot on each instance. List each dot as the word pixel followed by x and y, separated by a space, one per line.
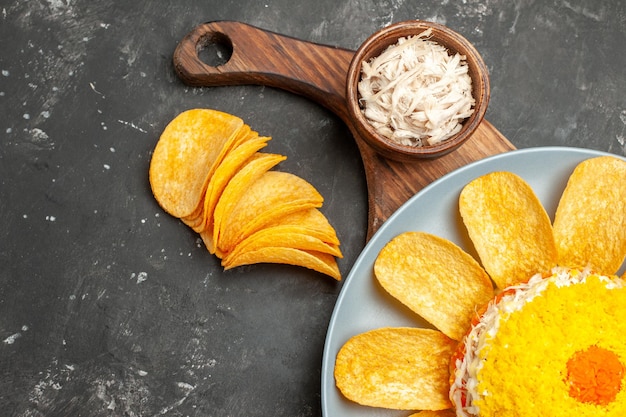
pixel 511 251
pixel 434 278
pixel 309 221
pixel 281 237
pixel 258 165
pixel 399 368
pixel 272 195
pixel 224 173
pixel 197 219
pixel 186 155
pixel 590 220
pixel 317 261
pixel 243 135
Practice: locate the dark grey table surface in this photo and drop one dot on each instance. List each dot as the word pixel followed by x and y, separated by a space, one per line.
pixel 110 307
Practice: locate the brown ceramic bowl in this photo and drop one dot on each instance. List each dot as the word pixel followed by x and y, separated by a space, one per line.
pixel 454 42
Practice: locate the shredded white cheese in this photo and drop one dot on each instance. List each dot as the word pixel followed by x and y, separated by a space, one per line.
pixel 415 93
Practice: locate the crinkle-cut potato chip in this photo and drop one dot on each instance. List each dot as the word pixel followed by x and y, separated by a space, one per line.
pixel 244 134
pixel 238 186
pixel 434 278
pixel 186 155
pixel 509 227
pixel 438 413
pixel 590 221
pixel 317 261
pixel 281 237
pixel 399 368
pixel 309 221
pixel 224 173
pixel 306 229
pixel 242 139
pixel 272 195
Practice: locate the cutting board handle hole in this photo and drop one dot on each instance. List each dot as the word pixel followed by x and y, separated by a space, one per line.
pixel 214 49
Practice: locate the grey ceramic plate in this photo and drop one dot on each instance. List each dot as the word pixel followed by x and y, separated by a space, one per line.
pixel 363 305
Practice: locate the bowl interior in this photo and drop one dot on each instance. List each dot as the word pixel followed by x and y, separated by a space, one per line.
pixel 452 41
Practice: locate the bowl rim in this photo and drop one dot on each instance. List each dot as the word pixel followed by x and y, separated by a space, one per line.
pixel 442 34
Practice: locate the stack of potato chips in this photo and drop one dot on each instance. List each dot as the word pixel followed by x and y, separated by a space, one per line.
pixel 207 170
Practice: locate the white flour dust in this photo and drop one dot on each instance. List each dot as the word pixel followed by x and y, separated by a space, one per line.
pixel 51 380
pixel 140 277
pixel 12 338
pixel 134 126
pixel 51 69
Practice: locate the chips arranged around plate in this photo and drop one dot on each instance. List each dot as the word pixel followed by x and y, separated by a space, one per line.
pixel 207 170
pixel 402 368
pixel 417 267
pixel 511 232
pixel 510 249
pixel 593 204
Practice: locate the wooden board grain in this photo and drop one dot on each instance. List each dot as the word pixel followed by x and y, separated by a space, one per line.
pixel 319 72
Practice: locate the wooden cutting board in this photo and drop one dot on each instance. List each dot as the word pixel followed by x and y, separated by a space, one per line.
pixel 319 72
